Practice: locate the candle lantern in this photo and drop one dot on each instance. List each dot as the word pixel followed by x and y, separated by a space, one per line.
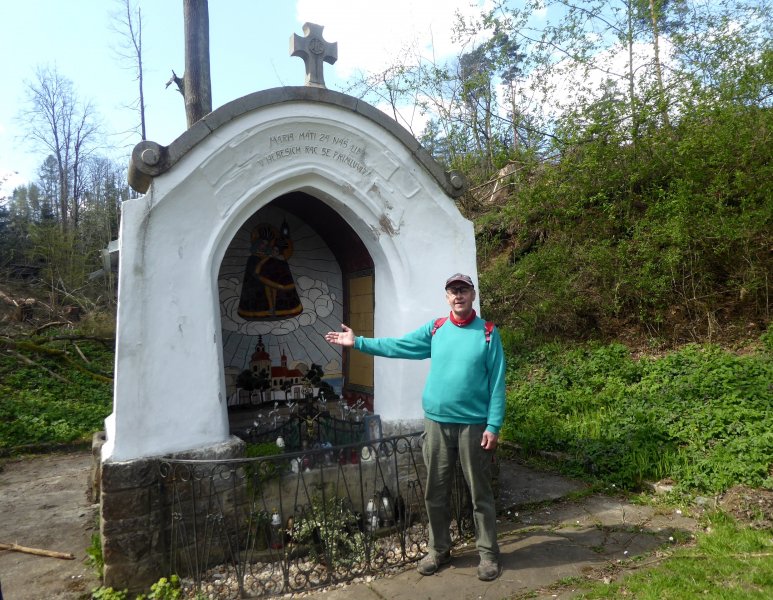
pixel 386 509
pixel 371 515
pixel 277 539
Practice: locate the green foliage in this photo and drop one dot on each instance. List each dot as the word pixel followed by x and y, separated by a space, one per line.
pixel 103 593
pixel 66 264
pixel 260 472
pixel 262 449
pixel 98 324
pixel 699 415
pixel 767 338
pixel 668 232
pixel 163 589
pixel 94 557
pixel 39 409
pixel 330 530
pixel 608 235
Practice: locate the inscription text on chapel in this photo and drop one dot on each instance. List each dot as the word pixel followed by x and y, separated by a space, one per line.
pixel 319 143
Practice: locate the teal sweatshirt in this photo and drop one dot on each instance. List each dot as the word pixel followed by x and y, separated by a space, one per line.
pixel 466 382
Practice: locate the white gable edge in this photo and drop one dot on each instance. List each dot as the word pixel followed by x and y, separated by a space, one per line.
pixel 150 159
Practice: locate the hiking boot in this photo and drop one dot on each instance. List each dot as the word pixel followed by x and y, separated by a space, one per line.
pixel 489 570
pixel 432 562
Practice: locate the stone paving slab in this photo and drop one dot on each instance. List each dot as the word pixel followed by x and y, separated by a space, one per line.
pixel 540 544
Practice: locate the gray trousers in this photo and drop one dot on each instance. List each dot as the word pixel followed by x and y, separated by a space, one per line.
pixel 443 444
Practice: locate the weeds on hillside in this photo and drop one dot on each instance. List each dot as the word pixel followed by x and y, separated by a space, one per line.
pixel 700 415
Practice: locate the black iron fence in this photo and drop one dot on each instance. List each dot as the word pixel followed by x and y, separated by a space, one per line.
pixel 308 429
pixel 258 527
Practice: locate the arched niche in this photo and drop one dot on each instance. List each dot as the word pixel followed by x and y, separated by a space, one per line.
pixel 294 271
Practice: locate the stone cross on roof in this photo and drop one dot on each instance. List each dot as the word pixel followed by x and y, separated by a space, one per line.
pixel 313 49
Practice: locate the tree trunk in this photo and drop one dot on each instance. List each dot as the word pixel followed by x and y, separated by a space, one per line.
pixel 631 81
pixel 197 84
pixel 662 104
pixel 514 109
pixel 140 74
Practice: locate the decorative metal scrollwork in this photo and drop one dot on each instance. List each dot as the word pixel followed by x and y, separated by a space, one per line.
pixel 260 527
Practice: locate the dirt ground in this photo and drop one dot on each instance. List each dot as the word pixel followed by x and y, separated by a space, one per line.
pixel 44 504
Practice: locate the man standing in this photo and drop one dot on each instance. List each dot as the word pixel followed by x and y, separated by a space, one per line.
pixel 464 405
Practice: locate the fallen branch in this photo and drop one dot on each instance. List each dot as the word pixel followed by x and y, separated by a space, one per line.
pixel 107 341
pixel 29 361
pixel 7 298
pixel 671 556
pixel 83 356
pixel 48 325
pixel 37 551
pixel 13 345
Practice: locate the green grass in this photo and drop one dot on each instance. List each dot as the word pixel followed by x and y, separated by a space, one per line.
pixel 727 562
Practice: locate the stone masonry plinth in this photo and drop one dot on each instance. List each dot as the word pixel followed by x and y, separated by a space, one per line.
pixel 132 524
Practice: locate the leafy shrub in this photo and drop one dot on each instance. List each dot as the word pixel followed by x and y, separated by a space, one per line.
pixel 671 233
pixel 330 530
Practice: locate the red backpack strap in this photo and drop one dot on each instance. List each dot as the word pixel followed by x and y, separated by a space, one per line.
pixel 489 327
pixel 438 324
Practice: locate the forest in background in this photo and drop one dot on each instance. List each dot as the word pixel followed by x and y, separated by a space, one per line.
pixel 620 184
pixel 618 161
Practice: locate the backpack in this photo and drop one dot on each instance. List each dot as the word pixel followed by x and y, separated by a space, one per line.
pixel 488 328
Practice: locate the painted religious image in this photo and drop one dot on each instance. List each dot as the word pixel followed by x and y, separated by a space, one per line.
pixel 280 290
pixel 268 288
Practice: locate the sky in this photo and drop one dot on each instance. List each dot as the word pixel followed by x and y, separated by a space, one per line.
pixel 249 51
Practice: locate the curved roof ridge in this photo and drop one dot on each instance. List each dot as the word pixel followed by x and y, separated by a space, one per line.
pixel 150 159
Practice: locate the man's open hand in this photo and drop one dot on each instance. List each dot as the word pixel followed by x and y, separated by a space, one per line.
pixel 344 338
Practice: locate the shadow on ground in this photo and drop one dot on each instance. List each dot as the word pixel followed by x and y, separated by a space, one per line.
pixel 549 531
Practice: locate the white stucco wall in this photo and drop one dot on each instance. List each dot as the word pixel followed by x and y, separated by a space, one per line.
pixel 169 385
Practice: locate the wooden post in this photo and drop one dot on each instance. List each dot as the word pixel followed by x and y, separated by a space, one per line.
pixel 197 82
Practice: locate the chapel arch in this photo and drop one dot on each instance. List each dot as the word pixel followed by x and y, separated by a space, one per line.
pixel 294 270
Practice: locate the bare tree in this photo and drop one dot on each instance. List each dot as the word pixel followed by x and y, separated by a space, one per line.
pixel 196 84
pixel 62 126
pixel 128 25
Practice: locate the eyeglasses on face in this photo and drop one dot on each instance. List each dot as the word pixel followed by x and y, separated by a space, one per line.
pixel 458 291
